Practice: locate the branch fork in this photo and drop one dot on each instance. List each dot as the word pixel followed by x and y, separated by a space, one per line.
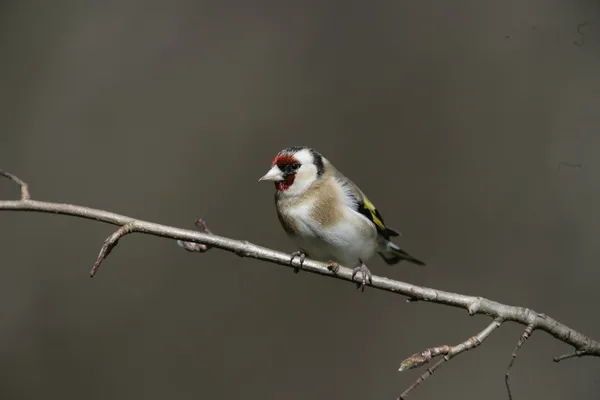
pixel 449 352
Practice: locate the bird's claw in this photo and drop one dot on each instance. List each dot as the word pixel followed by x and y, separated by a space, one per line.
pixel 302 256
pixel 333 266
pixel 366 274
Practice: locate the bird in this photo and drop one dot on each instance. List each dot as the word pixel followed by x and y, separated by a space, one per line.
pixel 328 217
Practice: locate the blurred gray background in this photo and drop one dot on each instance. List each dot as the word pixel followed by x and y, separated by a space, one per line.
pixel 454 116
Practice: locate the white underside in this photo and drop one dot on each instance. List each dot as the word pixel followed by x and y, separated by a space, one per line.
pixel 354 238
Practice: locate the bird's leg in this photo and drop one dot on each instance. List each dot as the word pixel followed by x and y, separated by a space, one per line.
pixel 302 256
pixel 333 266
pixel 366 274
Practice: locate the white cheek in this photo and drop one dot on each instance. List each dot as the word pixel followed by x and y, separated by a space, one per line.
pixel 304 178
pixel 304 174
pixel 297 188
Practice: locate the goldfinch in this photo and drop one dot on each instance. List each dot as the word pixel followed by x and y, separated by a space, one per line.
pixel 327 216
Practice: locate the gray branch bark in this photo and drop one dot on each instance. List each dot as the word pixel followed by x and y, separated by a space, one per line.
pixel 500 313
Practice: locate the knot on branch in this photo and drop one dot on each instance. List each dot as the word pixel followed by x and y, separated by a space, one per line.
pixel 473 308
pixel 246 250
pixel 422 358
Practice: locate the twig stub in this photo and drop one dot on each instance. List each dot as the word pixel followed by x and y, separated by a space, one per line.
pixel 197 247
pixel 577 353
pixel 110 243
pixel 24 187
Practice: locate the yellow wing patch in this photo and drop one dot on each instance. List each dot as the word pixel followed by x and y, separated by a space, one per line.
pixel 374 214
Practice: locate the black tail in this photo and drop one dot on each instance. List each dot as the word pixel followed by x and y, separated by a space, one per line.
pixel 394 254
pixel 389 232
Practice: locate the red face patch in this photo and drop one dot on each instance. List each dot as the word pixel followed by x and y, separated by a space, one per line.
pixel 282 161
pixel 286 183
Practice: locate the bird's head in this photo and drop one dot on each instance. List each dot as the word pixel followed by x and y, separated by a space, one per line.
pixel 294 169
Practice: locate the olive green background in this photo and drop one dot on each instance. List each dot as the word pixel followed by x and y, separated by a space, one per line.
pixel 454 117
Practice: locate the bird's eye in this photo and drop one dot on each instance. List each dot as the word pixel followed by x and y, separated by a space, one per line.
pixel 293 167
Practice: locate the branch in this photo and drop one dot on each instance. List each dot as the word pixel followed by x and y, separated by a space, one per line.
pixel 203 240
pixel 416 360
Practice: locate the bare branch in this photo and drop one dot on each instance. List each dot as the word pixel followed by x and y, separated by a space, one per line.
pixel 204 239
pixel 526 334
pixel 449 352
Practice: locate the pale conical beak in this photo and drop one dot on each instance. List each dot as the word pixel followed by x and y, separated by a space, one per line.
pixel 274 175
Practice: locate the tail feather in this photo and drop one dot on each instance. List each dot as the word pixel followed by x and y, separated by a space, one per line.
pixel 389 232
pixel 394 254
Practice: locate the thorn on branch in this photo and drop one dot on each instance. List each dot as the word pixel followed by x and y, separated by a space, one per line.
pixel 24 187
pixel 419 359
pixel 197 247
pixel 109 245
pixel 526 334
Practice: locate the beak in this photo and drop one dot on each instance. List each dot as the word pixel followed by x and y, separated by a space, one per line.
pixel 274 175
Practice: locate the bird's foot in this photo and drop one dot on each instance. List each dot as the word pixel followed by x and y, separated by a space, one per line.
pixel 366 274
pixel 302 256
pixel 333 266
